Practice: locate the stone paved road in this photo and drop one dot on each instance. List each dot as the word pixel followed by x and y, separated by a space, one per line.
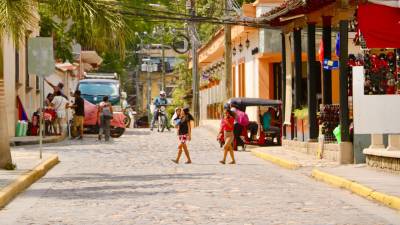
pixel 133 181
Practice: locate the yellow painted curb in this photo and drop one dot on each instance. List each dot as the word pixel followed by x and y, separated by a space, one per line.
pixel 26 180
pixel 356 188
pixel 276 160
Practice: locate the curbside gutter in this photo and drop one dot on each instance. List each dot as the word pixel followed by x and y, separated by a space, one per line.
pixel 287 164
pixel 54 139
pixel 26 180
pixel 356 188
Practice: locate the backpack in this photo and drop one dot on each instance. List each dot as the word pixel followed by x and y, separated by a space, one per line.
pixel 242 118
pixel 106 112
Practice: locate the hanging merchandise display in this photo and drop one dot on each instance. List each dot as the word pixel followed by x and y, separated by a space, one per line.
pixel 382 72
pixel 329 119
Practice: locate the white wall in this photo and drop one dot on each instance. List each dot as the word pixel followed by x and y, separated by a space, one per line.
pixel 373 114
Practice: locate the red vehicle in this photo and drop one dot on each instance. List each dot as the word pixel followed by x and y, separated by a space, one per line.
pixel 92 121
pixel 256 133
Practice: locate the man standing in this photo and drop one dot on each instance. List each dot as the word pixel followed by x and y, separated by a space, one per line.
pixel 59 87
pixel 162 100
pixel 79 116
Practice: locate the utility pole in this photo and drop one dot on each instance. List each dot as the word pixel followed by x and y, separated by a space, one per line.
pixel 195 77
pixel 138 95
pixel 162 66
pixel 149 90
pixel 228 55
pixel 163 60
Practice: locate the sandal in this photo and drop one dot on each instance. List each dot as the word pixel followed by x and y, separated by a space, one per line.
pixel 222 162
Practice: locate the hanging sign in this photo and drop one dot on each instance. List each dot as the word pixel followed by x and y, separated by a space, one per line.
pixel 181 44
pixel 330 64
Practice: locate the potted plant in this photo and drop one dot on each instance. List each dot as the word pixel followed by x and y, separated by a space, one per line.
pixel 301 121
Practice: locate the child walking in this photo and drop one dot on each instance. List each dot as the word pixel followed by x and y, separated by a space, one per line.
pixel 227 127
pixel 184 135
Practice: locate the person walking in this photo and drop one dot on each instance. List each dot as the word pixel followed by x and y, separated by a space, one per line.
pixel 241 121
pixel 59 104
pixel 79 116
pixel 184 135
pixel 106 114
pixel 227 126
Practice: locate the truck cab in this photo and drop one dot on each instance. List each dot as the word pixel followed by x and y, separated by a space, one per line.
pixel 97 85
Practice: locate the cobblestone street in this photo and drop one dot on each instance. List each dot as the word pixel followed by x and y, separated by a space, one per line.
pixel 133 181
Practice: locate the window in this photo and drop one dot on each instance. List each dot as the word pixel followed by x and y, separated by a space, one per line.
pixel 16 66
pixel 27 78
pixel 37 83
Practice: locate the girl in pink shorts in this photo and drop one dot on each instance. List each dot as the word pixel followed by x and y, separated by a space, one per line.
pixel 184 135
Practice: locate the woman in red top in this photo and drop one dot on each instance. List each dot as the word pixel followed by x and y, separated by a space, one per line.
pixel 227 126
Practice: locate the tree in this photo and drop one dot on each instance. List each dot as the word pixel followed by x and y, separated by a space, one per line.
pixel 98 23
pixel 16 17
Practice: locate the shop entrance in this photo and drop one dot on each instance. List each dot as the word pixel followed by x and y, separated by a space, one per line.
pixel 277 73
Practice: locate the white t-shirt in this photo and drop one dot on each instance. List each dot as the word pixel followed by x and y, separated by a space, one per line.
pixel 59 103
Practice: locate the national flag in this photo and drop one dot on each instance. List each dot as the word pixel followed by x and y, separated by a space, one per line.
pixel 21 111
pixel 379 23
pixel 337 46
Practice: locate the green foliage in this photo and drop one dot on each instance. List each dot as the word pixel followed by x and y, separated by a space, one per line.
pixel 184 88
pixel 16 18
pixel 10 166
pixel 114 63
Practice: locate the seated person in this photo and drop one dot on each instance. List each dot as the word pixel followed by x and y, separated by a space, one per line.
pixel 268 122
pixel 253 128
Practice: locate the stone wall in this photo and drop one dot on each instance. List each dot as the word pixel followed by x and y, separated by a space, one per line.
pixel 329 151
pixel 386 163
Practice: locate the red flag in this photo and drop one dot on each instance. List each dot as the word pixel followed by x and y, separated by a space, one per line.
pixel 380 24
pixel 321 51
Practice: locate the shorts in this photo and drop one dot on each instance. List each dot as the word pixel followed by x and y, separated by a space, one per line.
pixel 183 138
pixel 78 121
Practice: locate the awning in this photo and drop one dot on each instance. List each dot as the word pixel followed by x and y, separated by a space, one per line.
pixel 379 23
pixel 65 66
pixel 292 8
pixel 91 57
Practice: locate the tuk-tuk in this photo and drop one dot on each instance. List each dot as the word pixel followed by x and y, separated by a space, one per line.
pixel 258 132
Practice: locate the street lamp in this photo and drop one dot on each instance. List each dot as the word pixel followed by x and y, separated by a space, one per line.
pixel 247 41
pixel 240 45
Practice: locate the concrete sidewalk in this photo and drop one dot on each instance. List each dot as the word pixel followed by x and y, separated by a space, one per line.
pixel 29 169
pixel 293 159
pixel 372 184
pixel 34 140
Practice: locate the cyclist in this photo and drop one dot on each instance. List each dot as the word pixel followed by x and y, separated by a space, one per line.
pixel 158 102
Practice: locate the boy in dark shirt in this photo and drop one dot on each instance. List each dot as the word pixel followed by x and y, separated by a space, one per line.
pixel 79 116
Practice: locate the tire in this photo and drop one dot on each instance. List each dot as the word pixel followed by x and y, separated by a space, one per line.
pixel 127 121
pixel 117 132
pixel 162 123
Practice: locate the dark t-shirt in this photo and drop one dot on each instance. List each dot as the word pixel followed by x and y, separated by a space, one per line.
pixel 184 126
pixel 80 106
